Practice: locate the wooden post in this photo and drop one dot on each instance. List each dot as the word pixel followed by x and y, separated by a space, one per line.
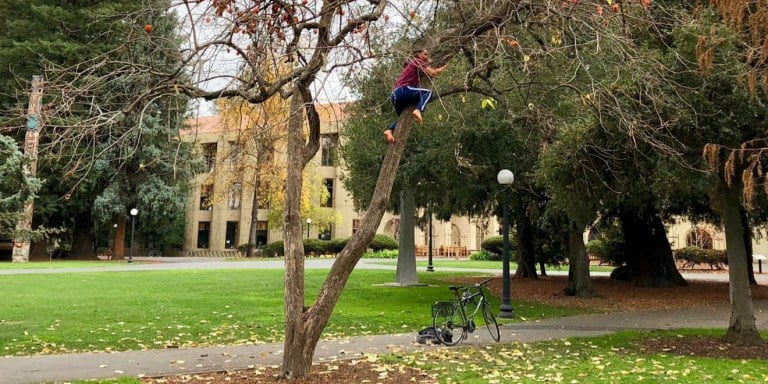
pixel 31 139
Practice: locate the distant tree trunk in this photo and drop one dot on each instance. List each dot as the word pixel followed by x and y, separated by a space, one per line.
pixel 265 147
pixel 649 255
pixel 82 240
pixel 741 328
pixel 748 245
pixel 526 258
pixel 579 280
pixel 119 241
pixel 406 259
pixel 252 231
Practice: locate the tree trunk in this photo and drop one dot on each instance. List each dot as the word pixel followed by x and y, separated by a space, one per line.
pixel 742 328
pixel 301 332
pixel 303 326
pixel 649 255
pixel 526 258
pixel 579 280
pixel 265 147
pixel 748 245
pixel 252 230
pixel 406 258
pixel 82 240
pixel 119 241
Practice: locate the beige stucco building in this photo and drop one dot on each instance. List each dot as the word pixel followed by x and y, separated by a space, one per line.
pixel 219 210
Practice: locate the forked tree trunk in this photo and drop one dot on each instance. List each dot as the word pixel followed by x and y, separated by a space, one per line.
pixel 579 280
pixel 741 328
pixel 303 326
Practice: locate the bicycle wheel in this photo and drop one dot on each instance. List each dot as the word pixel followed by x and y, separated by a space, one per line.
pixel 490 322
pixel 446 318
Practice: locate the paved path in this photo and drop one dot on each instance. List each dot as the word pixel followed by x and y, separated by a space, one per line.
pixel 187 263
pixel 37 369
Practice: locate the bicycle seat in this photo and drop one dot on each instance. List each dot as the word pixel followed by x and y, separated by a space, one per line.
pixel 454 287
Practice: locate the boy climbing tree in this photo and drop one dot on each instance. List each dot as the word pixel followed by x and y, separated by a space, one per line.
pixel 407 91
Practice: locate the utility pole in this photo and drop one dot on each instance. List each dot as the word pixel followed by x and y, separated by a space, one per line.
pixel 31 138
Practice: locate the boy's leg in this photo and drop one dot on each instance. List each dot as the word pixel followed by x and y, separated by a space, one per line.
pixel 421 97
pixel 398 109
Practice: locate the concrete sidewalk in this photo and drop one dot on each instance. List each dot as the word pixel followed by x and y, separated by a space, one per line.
pixel 59 368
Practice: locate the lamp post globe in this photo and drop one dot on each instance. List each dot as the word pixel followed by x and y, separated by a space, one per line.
pixel 505 177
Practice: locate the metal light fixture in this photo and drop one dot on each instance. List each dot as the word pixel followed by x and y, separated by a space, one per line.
pixel 506 178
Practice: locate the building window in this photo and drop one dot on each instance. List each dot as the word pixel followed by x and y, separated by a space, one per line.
pixel 328 144
pixel 262 229
pixel 329 187
pixel 230 240
pixel 699 238
pixel 234 196
pixel 355 225
pixel 203 234
pixel 209 154
pixel 206 191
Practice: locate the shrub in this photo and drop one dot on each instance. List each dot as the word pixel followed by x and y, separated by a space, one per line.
pixel 273 249
pixel 315 247
pixel 695 255
pixel 383 254
pixel 484 255
pixel 336 245
pixel 494 244
pixel 382 242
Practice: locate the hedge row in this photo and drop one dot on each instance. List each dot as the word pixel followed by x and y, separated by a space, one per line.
pixel 315 247
pixel 695 255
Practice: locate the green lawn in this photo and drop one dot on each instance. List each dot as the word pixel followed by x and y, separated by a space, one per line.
pixel 96 311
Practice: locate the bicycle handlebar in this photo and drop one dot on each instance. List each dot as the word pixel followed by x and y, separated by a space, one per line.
pixel 484 282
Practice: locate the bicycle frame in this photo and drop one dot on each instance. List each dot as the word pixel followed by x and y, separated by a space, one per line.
pixel 455 316
pixel 464 300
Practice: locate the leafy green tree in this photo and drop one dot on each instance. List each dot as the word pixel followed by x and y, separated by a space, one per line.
pixel 94 175
pixel 16 188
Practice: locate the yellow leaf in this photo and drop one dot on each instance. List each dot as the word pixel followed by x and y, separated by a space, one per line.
pixel 488 102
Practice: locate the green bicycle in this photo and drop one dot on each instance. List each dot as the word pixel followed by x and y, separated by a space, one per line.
pixel 453 320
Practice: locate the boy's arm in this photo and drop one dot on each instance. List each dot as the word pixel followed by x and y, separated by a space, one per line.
pixel 432 71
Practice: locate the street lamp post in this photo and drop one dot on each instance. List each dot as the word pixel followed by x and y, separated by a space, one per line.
pixel 134 212
pixel 430 268
pixel 309 222
pixel 505 178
